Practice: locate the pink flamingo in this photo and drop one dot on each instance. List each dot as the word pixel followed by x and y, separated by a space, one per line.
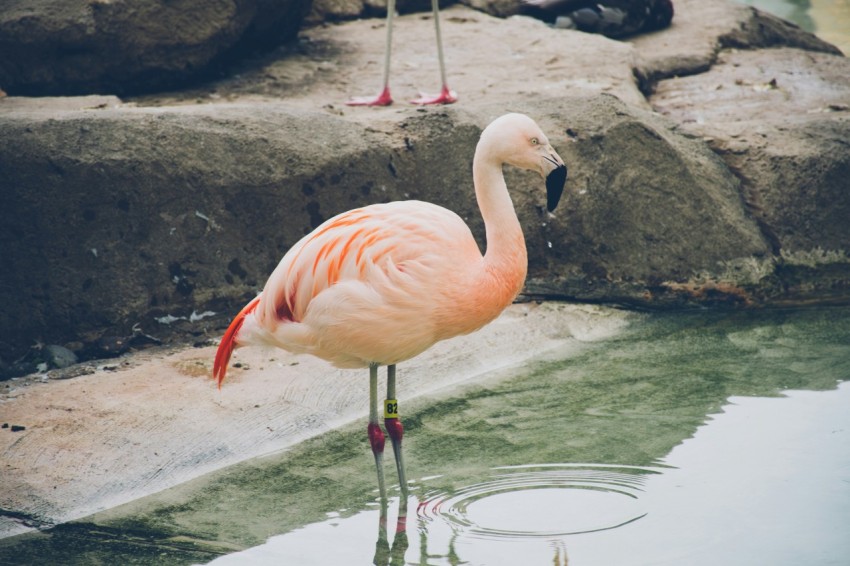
pixel 446 95
pixel 380 284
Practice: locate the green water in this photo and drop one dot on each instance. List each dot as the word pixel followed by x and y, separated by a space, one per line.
pixel 657 435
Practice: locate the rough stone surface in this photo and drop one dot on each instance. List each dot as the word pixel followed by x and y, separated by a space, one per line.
pixel 128 220
pixel 186 208
pixel 780 119
pixel 672 209
pixel 701 30
pixel 165 208
pixel 115 46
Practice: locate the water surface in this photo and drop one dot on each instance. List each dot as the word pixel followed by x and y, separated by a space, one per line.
pixel 767 481
pixel 691 438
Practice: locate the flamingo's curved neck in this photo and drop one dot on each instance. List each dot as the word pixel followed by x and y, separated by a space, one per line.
pixel 506 254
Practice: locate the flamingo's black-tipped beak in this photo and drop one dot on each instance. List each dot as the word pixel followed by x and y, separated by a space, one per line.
pixel 555 182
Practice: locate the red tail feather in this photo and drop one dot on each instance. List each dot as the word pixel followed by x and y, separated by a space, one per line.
pixel 228 342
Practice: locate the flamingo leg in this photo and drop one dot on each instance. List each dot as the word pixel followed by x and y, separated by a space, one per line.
pixel 382 546
pixel 376 435
pixel 446 95
pixel 383 98
pixel 396 431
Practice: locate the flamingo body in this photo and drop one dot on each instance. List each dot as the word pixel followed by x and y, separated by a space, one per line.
pixel 380 284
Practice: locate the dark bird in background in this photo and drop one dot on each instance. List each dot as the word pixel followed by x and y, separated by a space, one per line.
pixel 611 18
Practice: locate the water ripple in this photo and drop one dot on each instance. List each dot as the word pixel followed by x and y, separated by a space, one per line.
pixel 534 501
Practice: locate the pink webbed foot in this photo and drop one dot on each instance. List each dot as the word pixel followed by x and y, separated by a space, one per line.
pixel 446 96
pixel 383 99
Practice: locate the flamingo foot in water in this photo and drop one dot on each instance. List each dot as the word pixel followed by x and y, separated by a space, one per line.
pixel 383 99
pixel 446 96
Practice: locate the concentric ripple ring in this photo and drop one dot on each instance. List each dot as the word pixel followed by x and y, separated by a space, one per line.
pixel 548 500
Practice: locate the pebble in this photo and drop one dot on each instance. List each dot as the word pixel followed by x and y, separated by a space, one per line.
pixel 59 356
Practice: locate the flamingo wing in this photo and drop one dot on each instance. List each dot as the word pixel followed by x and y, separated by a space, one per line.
pixel 365 283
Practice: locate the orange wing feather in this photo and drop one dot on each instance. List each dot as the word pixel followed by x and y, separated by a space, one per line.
pixel 228 342
pixel 332 253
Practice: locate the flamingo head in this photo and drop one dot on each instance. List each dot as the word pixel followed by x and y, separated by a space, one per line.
pixel 517 140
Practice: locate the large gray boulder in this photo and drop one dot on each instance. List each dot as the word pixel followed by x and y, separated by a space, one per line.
pixel 113 217
pixel 780 119
pixel 55 47
pixel 140 218
pixel 649 206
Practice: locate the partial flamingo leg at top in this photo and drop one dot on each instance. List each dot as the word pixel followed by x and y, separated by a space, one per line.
pixel 384 98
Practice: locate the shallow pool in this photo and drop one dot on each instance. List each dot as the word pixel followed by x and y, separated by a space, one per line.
pixel 767 481
pixel 690 438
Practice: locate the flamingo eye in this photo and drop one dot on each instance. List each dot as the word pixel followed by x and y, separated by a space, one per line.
pixel 535 141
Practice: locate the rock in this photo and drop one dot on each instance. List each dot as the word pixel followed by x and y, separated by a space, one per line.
pixel 498 8
pixel 334 10
pixel 167 205
pixel 180 190
pixel 648 206
pixel 119 46
pixel 59 356
pixel 112 346
pixel 209 198
pixel 38 358
pixel 779 120
pixel 702 29
pixel 18 368
pixel 71 372
pixel 334 62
